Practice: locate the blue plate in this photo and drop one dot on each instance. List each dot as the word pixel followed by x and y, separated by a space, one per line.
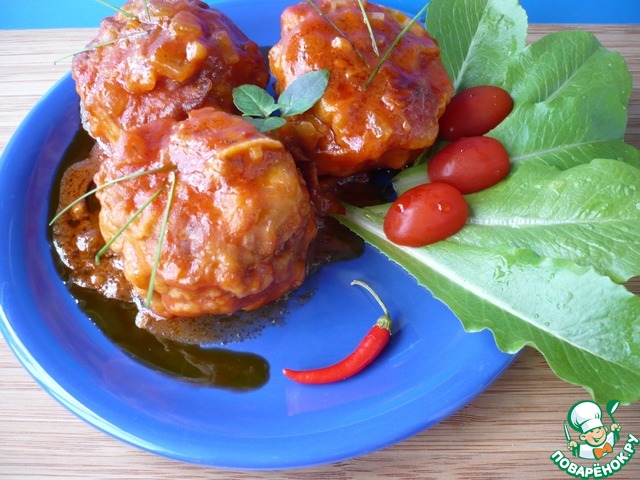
pixel 80 13
pixel 430 369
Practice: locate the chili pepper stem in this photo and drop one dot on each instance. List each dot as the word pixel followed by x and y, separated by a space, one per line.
pixel 375 296
pixel 384 322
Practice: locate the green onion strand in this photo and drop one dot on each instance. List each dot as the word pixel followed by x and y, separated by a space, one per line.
pixel 118 9
pixel 393 45
pixel 161 236
pixel 115 40
pixel 337 29
pixel 146 9
pixel 365 17
pixel 88 49
pixel 99 45
pixel 108 184
pixel 128 222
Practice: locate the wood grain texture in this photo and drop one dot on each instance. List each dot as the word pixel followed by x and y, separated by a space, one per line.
pixel 507 432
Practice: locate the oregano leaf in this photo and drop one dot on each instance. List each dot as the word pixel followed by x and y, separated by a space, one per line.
pixel 254 101
pixel 266 124
pixel 303 92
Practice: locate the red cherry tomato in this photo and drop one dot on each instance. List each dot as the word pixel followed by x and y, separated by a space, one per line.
pixel 474 111
pixel 425 214
pixel 470 164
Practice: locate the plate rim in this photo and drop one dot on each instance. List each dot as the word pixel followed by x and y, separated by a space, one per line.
pixel 42 376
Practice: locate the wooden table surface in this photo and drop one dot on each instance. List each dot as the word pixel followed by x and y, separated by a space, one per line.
pixel 509 431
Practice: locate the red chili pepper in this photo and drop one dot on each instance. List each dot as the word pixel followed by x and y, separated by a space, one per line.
pixel 365 353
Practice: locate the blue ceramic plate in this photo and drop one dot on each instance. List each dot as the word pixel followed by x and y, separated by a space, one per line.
pixel 430 369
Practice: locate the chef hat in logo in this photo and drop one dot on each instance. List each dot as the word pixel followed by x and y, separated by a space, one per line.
pixel 585 416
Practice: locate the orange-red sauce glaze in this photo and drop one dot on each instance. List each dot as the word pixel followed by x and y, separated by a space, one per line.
pixel 240 220
pixel 184 55
pixel 242 226
pixel 357 127
pixel 172 346
pixel 103 289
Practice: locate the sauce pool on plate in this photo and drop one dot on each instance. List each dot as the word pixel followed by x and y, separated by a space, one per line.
pixel 189 349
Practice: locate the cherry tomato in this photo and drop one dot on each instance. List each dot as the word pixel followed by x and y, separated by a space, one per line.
pixel 474 111
pixel 425 214
pixel 470 164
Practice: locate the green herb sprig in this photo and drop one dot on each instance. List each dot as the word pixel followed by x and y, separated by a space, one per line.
pixel 258 106
pixel 118 9
pixel 337 29
pixel 135 215
pixel 161 237
pixel 365 19
pixel 115 40
pixel 395 42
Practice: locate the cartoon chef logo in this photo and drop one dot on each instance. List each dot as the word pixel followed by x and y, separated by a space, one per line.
pixel 593 441
pixel 596 440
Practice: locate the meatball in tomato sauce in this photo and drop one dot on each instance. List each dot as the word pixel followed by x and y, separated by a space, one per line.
pixel 239 224
pixel 142 66
pixel 357 126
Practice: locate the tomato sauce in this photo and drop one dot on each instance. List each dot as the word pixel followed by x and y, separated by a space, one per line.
pixel 190 349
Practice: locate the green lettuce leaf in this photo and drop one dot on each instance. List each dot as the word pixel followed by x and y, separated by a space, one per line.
pixel 570 93
pixel 567 64
pixel 570 98
pixel 543 253
pixel 477 37
pixel 567 131
pixel 584 324
pixel 589 214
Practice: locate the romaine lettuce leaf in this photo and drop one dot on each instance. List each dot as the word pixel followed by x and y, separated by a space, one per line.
pixel 567 131
pixel 570 93
pixel 543 254
pixel 570 99
pixel 589 214
pixel 477 37
pixel 585 325
pixel 567 64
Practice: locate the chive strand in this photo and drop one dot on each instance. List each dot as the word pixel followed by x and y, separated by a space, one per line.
pixel 127 223
pixel 393 45
pixel 118 9
pixel 88 49
pixel 337 29
pixel 367 22
pixel 108 184
pixel 161 236
pixel 146 9
pixel 99 45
